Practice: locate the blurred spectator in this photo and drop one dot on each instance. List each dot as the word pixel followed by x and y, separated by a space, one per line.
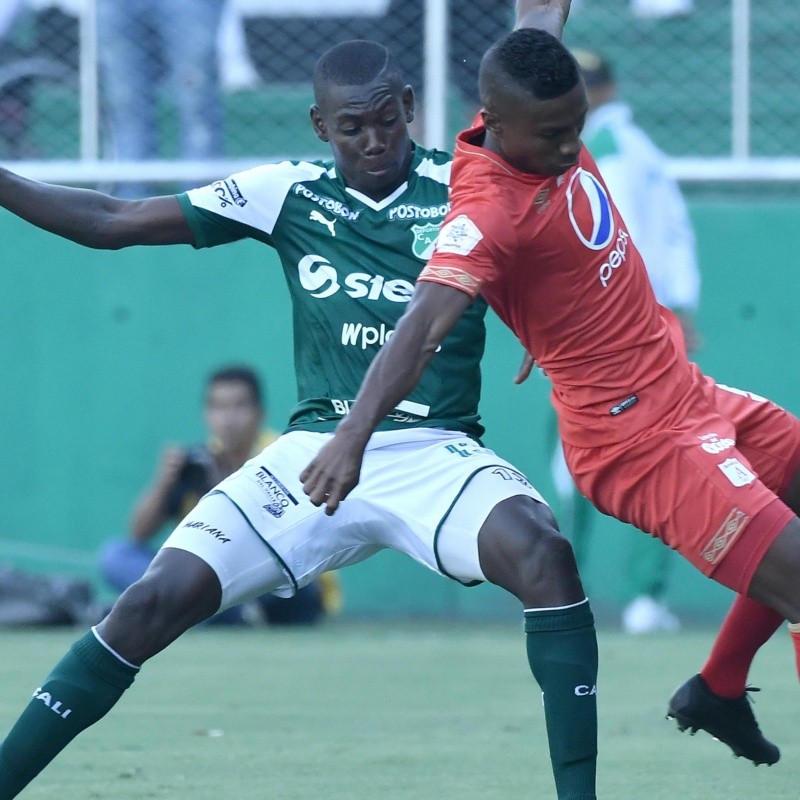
pixel 234 414
pixel 24 59
pixel 14 85
pixel 655 214
pixel 236 69
pixel 140 42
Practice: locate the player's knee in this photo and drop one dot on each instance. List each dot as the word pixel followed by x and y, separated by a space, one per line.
pixel 524 552
pixel 547 555
pixel 142 605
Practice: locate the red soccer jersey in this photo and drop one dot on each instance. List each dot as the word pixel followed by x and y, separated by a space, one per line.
pixel 553 258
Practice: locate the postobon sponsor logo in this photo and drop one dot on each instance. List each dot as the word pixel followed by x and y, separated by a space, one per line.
pixel 616 258
pixel 56 706
pixel 280 498
pixel 320 278
pixel 409 211
pixel 328 203
pixel 715 445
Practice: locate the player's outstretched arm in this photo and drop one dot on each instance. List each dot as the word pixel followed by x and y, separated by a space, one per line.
pixel 547 15
pixel 395 371
pixel 92 218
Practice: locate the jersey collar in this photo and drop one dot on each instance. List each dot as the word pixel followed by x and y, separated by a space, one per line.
pixel 465 146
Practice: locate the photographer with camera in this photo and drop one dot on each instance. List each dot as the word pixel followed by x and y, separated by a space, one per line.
pixel 234 414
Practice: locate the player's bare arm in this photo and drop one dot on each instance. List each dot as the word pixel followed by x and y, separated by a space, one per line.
pixel 396 370
pixel 547 15
pixel 92 218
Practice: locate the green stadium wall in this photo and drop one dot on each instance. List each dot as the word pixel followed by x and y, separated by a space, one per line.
pixel 103 358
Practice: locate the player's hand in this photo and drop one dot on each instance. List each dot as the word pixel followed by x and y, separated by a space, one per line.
pixel 333 473
pixel 525 368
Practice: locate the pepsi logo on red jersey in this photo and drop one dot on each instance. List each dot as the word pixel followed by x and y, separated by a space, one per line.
pixel 590 210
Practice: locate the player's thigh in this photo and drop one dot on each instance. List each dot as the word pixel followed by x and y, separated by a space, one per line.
pixel 767 434
pixel 496 513
pixel 692 489
pixel 521 549
pixel 260 533
pixel 775 580
pixel 435 489
pixel 218 533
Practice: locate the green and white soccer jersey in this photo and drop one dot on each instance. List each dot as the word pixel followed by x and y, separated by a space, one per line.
pixel 350 264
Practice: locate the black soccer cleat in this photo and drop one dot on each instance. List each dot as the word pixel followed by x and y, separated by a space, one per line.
pixel 695 707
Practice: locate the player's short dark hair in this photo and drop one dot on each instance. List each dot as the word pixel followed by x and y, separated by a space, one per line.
pixel 355 63
pixel 531 59
pixel 239 373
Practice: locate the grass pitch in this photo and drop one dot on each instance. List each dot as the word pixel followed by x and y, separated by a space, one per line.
pixel 396 711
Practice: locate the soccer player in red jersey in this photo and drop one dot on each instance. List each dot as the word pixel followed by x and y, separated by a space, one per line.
pixel 650 440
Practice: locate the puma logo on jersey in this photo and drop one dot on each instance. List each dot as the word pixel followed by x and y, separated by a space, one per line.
pixel 315 216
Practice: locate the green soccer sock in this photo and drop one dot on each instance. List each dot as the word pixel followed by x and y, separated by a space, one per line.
pixel 562 652
pixel 81 689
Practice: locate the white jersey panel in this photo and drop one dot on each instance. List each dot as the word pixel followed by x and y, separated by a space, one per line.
pixel 254 197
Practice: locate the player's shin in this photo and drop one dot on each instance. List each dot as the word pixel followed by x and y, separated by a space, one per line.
pixel 562 653
pixel 748 625
pixel 81 689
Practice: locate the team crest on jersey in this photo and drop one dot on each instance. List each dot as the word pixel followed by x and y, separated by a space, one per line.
pixel 590 210
pixel 424 240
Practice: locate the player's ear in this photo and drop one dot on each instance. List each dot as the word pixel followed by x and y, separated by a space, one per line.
pixel 320 128
pixel 491 122
pixel 407 98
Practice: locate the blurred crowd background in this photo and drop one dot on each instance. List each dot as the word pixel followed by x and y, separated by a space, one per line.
pixel 711 78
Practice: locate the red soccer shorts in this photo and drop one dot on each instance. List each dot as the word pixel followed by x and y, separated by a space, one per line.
pixel 706 480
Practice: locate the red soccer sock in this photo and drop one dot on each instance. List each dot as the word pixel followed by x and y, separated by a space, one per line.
pixel 749 625
pixel 794 630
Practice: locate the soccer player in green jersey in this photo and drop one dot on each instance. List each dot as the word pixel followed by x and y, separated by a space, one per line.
pixel 352 235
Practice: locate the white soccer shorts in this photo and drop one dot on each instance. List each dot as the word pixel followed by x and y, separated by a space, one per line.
pixel 424 492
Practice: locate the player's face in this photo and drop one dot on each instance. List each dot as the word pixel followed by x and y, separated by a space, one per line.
pixel 232 416
pixel 542 137
pixel 367 128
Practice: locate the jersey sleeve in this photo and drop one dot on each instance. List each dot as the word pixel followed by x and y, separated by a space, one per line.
pixel 245 205
pixel 469 249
